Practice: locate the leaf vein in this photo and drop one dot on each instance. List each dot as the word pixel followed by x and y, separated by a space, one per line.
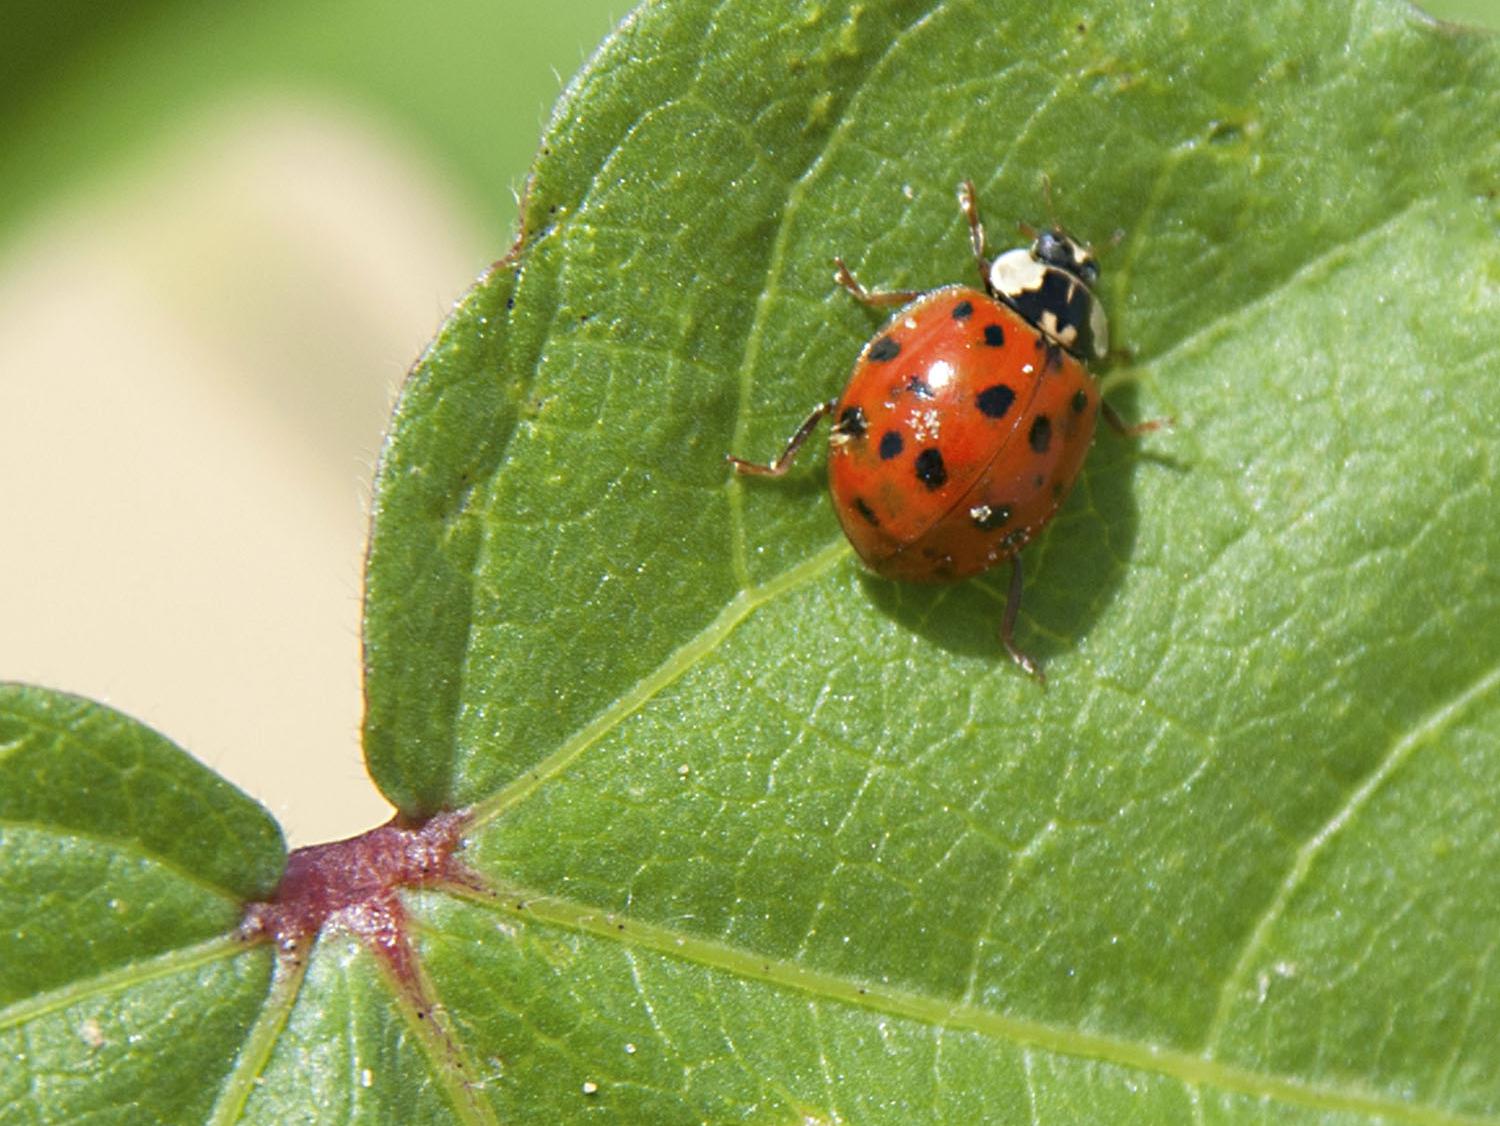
pixel 1397 756
pixel 676 665
pixel 1027 1034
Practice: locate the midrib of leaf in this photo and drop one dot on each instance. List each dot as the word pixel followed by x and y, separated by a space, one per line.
pixel 1400 752
pixel 678 662
pixel 127 846
pixel 432 1035
pixel 120 978
pixel 256 1050
pixel 125 841
pixel 1191 1070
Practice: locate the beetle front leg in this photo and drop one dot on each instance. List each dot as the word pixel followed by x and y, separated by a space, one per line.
pixel 875 298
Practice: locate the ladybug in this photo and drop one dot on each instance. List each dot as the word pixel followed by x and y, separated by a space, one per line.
pixel 967 418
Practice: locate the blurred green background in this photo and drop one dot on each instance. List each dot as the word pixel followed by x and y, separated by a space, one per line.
pixel 226 230
pixel 225 233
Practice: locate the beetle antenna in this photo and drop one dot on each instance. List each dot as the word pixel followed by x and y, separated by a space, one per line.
pixel 1050 201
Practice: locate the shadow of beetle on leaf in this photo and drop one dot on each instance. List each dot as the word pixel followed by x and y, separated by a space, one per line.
pixel 1072 570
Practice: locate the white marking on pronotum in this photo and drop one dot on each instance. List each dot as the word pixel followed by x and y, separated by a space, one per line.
pixel 1017 271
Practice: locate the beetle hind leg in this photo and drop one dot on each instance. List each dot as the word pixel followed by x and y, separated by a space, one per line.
pixel 1027 662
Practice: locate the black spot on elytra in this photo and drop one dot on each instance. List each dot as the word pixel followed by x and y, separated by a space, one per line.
pixel 1080 401
pixel 930 468
pixel 1036 482
pixel 995 401
pixel 886 348
pixel 994 335
pixel 988 517
pixel 963 310
pixel 891 445
pixel 1040 435
pixel 920 387
pixel 851 422
pixel 864 510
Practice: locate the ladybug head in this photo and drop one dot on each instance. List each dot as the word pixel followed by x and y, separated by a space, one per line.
pixel 1055 247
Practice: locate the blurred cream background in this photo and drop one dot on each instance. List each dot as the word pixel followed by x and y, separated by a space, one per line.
pixel 201 357
pixel 199 344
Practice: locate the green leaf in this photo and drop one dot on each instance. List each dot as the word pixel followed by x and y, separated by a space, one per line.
pixel 806 839
pixel 123 866
pixel 756 837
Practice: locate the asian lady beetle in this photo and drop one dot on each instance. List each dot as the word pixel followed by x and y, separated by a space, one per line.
pixel 967 417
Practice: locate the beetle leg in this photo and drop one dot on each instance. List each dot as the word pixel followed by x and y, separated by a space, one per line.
pixel 968 203
pixel 875 298
pixel 784 459
pixel 1027 662
pixel 1125 429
